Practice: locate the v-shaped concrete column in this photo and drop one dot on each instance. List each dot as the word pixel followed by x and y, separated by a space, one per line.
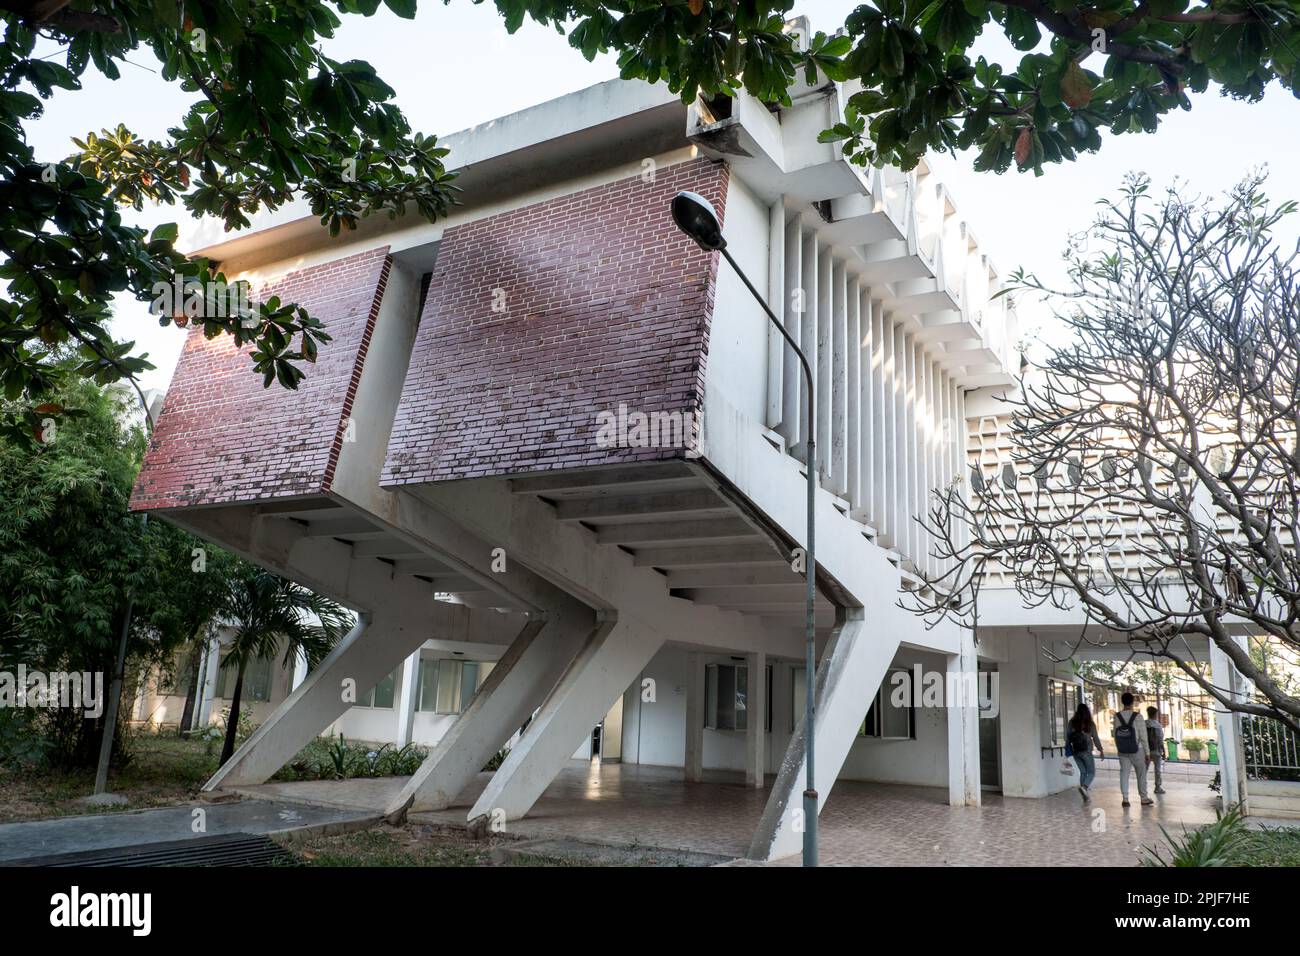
pixel 608 662
pixel 518 684
pixel 852 667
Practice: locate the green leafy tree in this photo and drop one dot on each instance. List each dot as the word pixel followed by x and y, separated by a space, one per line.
pixel 71 553
pixel 271 616
pixel 274 118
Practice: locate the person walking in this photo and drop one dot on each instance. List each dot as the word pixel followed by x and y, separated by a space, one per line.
pixel 1156 746
pixel 1131 746
pixel 1082 738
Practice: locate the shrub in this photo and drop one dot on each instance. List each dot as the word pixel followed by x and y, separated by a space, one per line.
pixel 1220 843
pixel 337 759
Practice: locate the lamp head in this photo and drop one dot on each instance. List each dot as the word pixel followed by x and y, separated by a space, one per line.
pixel 695 216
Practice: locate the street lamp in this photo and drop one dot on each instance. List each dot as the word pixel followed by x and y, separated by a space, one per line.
pixel 694 216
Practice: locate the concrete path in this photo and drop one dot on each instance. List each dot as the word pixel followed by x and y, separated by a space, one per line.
pixel 863 824
pixel 39 838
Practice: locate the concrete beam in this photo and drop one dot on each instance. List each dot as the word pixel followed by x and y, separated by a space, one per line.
pixel 695 502
pixel 610 660
pixel 706 531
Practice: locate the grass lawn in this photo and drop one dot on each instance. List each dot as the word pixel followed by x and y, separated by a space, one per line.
pixel 1272 846
pixel 162 771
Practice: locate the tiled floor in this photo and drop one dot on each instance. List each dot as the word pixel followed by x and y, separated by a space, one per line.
pixel 863 824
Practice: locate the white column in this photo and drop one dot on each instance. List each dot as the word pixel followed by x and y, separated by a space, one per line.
pixel 406 698
pixel 756 728
pixel 208 683
pixel 694 762
pixel 963 725
pixel 1232 777
pixel 299 670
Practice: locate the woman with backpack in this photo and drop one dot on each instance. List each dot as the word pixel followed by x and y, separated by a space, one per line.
pixel 1082 738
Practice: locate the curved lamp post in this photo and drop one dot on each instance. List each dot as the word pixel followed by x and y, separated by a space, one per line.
pixel 694 216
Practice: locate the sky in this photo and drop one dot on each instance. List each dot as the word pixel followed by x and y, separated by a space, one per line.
pixel 455 66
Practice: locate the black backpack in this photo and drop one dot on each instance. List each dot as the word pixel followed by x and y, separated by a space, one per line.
pixel 1126 739
pixel 1153 739
pixel 1080 742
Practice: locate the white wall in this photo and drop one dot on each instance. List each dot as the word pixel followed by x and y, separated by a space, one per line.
pixel 655 733
pixel 1027 770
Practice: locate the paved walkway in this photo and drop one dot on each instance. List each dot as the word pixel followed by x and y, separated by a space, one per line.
pixel 38 838
pixel 862 824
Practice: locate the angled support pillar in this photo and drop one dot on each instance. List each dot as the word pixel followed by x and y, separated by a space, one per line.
pixel 756 725
pixel 963 713
pixel 1232 766
pixel 406 699
pixel 694 718
pixel 368 653
pixel 517 685
pixel 608 662
pixel 852 666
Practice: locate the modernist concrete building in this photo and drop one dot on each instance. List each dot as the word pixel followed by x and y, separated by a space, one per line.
pixel 551 436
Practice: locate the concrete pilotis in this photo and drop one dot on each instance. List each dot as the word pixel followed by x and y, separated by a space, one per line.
pixel 610 660
pixel 516 687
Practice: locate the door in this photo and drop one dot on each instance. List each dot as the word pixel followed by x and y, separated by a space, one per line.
pixel 990 730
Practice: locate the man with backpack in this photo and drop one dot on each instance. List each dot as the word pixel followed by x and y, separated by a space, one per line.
pixel 1156 746
pixel 1133 749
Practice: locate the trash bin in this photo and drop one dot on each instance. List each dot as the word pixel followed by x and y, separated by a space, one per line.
pixel 1214 751
pixel 1172 746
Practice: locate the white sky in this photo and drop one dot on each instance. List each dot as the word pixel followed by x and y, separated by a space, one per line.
pixel 456 66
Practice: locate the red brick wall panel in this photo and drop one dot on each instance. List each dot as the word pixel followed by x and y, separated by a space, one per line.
pixel 606 302
pixel 223 438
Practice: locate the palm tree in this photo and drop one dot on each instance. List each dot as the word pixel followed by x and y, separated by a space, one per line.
pixel 269 613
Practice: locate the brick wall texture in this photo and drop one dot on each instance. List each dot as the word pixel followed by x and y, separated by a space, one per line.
pixel 223 438
pixel 605 302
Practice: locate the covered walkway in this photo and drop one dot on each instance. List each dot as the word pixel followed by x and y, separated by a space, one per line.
pixel 863 824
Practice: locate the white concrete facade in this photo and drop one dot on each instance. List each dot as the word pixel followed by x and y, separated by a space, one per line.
pixel 615 604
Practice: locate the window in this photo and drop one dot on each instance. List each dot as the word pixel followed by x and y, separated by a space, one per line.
pixel 257 680
pixel 726 697
pixel 1063 699
pixel 887 720
pixel 381 695
pixel 447 687
pixel 174 680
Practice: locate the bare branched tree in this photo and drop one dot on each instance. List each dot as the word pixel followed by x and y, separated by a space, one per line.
pixel 1153 477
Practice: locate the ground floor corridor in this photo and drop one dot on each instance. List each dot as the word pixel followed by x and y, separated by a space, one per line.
pixel 862 824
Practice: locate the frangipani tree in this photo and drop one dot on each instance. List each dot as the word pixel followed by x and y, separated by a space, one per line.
pixel 1154 477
